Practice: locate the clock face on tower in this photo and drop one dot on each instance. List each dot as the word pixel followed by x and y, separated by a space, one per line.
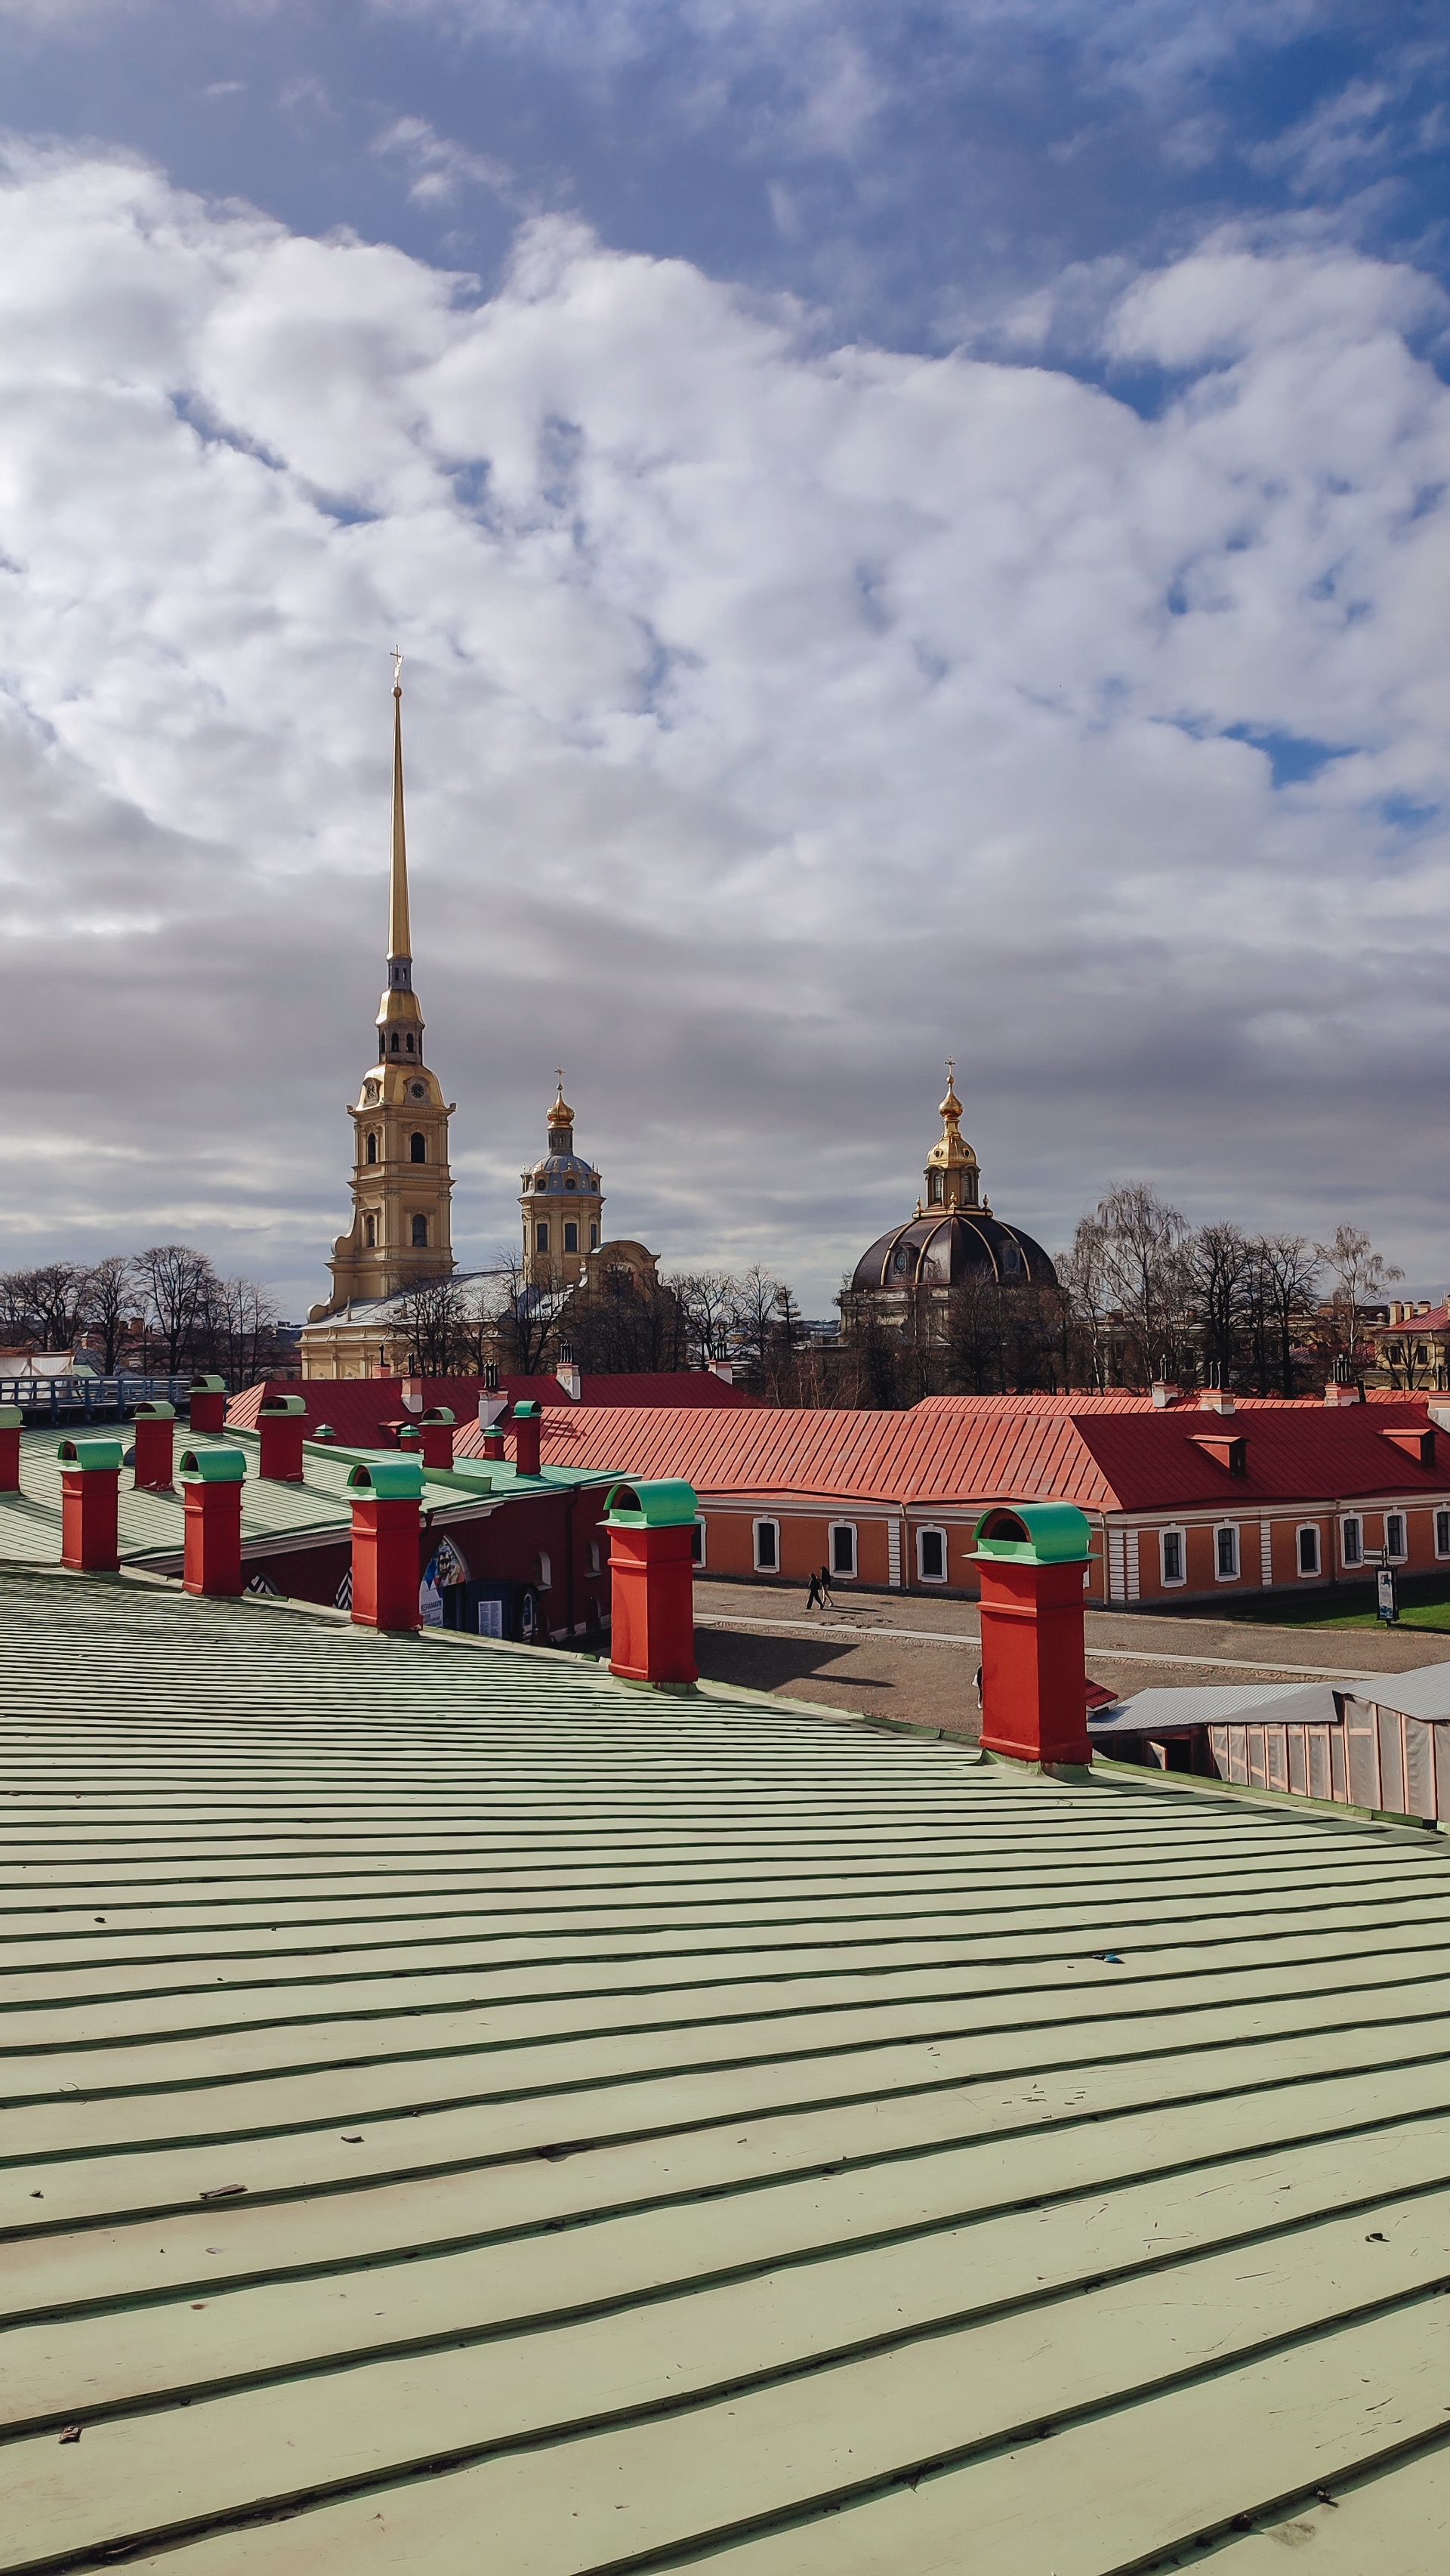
pixel 418 1090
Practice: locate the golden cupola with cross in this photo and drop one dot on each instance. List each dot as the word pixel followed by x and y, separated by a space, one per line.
pixel 402 1188
pixel 563 1206
pixel 953 1179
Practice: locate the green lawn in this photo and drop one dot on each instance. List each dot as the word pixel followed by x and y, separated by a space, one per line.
pixel 1424 1603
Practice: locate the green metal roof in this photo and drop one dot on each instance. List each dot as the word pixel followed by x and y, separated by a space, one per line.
pixel 151 1524
pixel 663 2132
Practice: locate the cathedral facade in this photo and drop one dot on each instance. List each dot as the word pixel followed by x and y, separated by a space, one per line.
pixel 400 1241
pixel 952 1238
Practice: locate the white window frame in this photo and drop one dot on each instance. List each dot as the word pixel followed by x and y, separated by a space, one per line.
pixel 698 1536
pixel 596 1557
pixel 546 1570
pixel 1398 1555
pixel 1442 1521
pixel 841 1573
pixel 932 1529
pixel 1231 1529
pixel 1173 1582
pixel 1352 1521
pixel 1308 1573
pixel 774 1566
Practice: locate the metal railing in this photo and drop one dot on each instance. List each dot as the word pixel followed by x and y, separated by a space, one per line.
pixel 90 1399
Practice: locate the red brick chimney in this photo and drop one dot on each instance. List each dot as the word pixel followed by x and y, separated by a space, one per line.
pixel 652 1603
pixel 528 1426
pixel 211 1492
pixel 154 1426
pixel 1031 1558
pixel 281 1422
pixel 90 1478
pixel 437 1429
pixel 207 1403
pixel 386 1531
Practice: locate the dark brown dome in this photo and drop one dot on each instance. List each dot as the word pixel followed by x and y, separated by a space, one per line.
pixel 943 1249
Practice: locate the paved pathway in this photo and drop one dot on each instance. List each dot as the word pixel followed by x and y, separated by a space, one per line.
pixel 880 1655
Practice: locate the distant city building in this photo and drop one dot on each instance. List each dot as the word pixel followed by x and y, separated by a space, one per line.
pixel 400 1240
pixel 562 1202
pixel 402 1188
pixel 906 1278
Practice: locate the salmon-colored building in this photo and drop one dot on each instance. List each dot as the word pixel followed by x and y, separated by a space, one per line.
pixel 1190 1499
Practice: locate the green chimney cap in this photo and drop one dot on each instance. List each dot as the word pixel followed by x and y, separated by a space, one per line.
pixel 277 1404
pixel 662 1502
pixel 11 1418
pixel 392 1480
pixel 90 1453
pixel 437 1413
pixel 1035 1533
pixel 208 1386
pixel 324 1431
pixel 159 1411
pixel 219 1466
pixel 528 1411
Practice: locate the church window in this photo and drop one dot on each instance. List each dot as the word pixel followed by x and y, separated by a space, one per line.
pixel 571 1183
pixel 409 1043
pixel 372 1149
pixel 594 1238
pixel 420 1233
pixel 1011 1260
pixel 541 1238
pixel 372 1233
pixel 571 1238
pixel 395 1041
pixel 417 1149
pixel 933 1188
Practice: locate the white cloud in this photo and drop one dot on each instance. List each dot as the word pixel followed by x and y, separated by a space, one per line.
pixel 441 169
pixel 778 719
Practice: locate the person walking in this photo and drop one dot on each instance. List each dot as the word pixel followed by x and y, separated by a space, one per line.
pixel 813 1594
pixel 825 1586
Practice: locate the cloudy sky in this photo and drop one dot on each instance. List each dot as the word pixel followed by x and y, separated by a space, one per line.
pixel 914 529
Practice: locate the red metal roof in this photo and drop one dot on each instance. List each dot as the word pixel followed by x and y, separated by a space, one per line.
pixel 361 1409
pixel 1103 1460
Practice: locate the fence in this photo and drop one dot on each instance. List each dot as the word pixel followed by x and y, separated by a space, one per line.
pixel 91 1399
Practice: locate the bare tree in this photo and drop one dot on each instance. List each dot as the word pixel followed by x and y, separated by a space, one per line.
pixel 1144 1274
pixel 57 1294
pixel 432 1313
pixel 1082 1273
pixel 1286 1273
pixel 707 1299
pixel 515 1317
pixel 752 1315
pixel 1361 1275
pixel 250 1320
pixel 111 1293
pixel 1219 1265
pixel 177 1283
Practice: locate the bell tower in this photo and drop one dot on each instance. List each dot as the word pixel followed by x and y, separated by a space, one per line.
pixel 402 1188
pixel 563 1207
pixel 953 1179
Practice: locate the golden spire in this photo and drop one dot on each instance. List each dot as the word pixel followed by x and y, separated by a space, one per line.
pixel 951 1166
pixel 561 1115
pixel 400 937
